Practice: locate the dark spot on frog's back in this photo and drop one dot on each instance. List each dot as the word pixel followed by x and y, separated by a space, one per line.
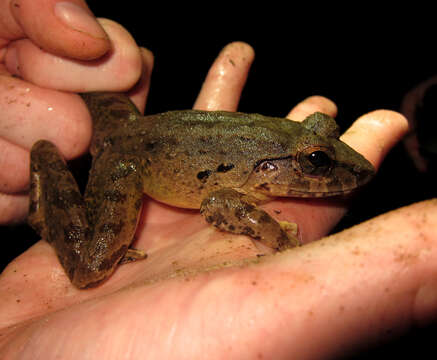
pixel 225 167
pixel 203 175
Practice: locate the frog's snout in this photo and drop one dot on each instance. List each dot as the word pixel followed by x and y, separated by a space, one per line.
pixel 349 177
pixel 364 174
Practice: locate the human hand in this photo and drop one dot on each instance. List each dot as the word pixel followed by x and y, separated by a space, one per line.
pixel 42 59
pixel 206 293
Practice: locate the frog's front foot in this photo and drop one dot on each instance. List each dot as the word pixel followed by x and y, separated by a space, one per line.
pixel 231 211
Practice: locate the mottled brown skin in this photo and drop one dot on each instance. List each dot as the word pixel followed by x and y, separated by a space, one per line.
pixel 222 163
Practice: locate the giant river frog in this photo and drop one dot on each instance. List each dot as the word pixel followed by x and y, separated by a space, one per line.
pixel 223 163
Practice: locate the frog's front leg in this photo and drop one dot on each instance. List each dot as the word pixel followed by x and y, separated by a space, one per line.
pixel 232 211
pixel 90 236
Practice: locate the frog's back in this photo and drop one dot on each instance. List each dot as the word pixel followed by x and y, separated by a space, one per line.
pixel 188 154
pixel 230 132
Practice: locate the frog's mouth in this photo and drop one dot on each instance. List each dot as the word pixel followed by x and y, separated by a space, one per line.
pixel 285 191
pixel 340 180
pixel 293 193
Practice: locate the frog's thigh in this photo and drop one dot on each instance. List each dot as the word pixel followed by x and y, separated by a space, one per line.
pixel 231 211
pixel 57 210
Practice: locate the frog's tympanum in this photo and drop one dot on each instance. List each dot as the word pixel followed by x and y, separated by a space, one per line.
pixel 223 163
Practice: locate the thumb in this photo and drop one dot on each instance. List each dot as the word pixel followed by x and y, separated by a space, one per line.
pixel 64 28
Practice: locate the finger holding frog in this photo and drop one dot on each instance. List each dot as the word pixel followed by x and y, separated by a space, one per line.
pixel 32 107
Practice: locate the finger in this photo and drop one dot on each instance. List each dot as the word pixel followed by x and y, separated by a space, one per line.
pixel 311 105
pixel 118 70
pixel 13 208
pixel 140 91
pixel 14 165
pixel 65 28
pixel 375 133
pixel 226 78
pixel 29 113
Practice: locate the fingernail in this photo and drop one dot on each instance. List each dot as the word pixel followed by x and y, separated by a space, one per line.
pixel 79 19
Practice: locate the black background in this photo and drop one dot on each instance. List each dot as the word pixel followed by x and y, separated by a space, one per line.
pixel 362 57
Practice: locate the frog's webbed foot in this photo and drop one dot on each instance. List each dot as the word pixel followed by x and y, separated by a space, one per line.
pixel 231 211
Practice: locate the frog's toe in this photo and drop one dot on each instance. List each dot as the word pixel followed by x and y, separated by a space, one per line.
pixel 133 255
pixel 291 230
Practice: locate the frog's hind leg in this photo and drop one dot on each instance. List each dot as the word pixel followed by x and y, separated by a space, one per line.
pixel 113 200
pixel 89 236
pixel 57 210
pixel 231 211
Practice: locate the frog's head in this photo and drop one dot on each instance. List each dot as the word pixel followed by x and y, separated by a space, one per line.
pixel 319 165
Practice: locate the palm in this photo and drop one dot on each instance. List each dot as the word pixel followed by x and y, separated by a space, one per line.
pixel 174 292
pixel 305 303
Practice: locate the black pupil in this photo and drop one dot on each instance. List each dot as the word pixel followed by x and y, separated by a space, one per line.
pixel 319 159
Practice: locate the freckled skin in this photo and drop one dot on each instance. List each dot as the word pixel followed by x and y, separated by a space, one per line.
pixel 220 162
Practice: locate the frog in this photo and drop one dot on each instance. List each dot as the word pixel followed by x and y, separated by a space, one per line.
pixel 225 164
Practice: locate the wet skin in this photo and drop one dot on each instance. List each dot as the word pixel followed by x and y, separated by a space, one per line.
pixel 222 163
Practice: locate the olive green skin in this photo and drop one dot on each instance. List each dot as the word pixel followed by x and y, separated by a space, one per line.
pixel 223 163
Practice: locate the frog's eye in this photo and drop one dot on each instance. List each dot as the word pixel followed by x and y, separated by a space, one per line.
pixel 315 161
